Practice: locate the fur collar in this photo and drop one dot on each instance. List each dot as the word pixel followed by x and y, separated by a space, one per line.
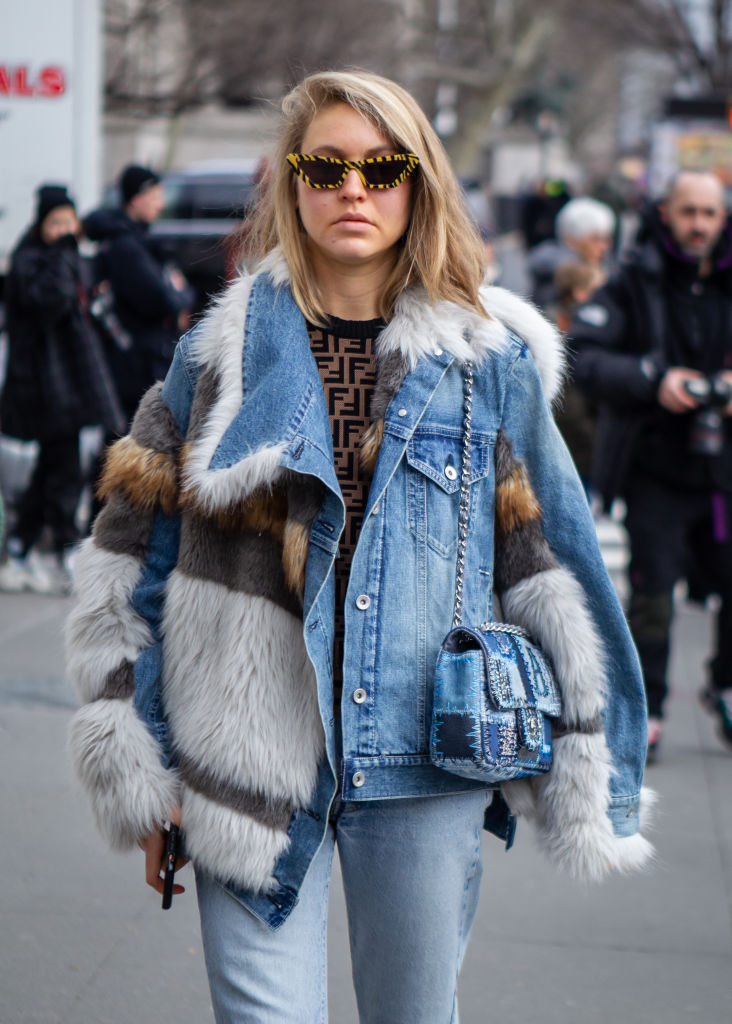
pixel 417 330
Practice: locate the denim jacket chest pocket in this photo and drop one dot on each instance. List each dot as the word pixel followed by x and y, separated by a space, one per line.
pixel 434 458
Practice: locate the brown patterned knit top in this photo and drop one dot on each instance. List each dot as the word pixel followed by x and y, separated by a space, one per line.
pixel 344 353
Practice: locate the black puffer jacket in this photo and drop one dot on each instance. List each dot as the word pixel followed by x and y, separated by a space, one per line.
pixel 147 304
pixel 57 378
pixel 656 312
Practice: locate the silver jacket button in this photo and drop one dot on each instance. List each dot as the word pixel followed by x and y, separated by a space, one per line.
pixel 450 472
pixel 362 602
pixel 358 779
pixel 359 695
pixel 401 412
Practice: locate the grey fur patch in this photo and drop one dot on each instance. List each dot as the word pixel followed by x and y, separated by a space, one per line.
pixel 391 370
pixel 249 563
pixel 505 460
pixel 273 812
pixel 123 529
pixel 589 727
pixel 206 396
pixel 119 683
pixel 522 553
pixel 155 426
pixel 304 498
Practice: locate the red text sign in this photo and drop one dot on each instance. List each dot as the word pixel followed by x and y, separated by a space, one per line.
pixel 48 82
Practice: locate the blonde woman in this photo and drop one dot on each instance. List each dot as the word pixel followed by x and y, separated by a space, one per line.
pixel 262 602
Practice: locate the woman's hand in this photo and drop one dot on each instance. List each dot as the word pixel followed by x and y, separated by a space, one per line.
pixel 153 847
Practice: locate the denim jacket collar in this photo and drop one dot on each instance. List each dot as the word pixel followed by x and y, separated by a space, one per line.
pixel 256 332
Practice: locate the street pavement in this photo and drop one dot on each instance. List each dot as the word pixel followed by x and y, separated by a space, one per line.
pixel 83 939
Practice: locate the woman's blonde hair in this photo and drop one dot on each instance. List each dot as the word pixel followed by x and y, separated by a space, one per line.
pixel 441 249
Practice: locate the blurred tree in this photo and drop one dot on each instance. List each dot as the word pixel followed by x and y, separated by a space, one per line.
pixel 463 59
pixel 696 35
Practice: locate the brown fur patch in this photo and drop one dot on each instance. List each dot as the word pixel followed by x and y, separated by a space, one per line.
pixel 295 554
pixel 263 511
pixel 516 503
pixel 370 444
pixel 147 478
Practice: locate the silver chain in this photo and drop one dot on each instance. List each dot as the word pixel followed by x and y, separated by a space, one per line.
pixel 464 510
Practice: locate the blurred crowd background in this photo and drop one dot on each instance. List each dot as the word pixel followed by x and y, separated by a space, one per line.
pixel 537 104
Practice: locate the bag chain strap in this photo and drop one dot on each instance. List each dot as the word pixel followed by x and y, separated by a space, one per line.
pixel 464 512
pixel 464 509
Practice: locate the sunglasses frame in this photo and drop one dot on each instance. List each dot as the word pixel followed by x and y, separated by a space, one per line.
pixel 410 160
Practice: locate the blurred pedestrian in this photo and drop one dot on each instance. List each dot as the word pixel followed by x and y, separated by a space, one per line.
pixel 275 568
pixel 654 349
pixel 574 282
pixel 151 297
pixel 57 381
pixel 584 229
pixel 539 210
pixel 575 414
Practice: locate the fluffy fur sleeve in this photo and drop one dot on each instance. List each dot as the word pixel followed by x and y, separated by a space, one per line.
pixel 569 805
pixel 115 755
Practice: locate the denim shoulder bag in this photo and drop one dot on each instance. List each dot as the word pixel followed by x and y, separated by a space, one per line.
pixel 495 692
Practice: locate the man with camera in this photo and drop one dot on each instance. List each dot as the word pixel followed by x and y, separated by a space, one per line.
pixel 654 351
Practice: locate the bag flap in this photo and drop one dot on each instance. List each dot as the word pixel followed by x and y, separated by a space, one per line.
pixel 518 674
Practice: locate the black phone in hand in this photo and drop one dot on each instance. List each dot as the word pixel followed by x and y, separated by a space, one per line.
pixel 172 843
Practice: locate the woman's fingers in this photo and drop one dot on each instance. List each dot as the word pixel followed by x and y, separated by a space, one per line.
pixel 153 847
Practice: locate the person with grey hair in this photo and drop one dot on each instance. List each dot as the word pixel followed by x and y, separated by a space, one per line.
pixel 585 229
pixel 654 349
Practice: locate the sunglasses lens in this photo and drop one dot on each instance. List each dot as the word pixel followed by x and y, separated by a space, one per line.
pixel 384 173
pixel 322 172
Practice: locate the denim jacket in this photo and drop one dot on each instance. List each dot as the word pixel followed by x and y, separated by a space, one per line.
pixel 202 638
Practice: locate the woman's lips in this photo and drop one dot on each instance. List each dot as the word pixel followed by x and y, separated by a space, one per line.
pixel 353 218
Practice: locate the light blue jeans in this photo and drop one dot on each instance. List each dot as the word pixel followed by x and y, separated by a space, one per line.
pixel 411 873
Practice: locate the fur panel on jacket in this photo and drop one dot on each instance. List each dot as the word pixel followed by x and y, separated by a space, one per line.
pixel 237 684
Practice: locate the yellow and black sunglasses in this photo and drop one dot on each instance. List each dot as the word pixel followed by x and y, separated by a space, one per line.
pixel 374 172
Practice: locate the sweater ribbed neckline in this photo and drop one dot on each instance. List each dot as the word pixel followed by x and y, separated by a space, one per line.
pixel 354 328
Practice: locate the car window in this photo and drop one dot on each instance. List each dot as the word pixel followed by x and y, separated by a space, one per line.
pixel 221 200
pixel 211 200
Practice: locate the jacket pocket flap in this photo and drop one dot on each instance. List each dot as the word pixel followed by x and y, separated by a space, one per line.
pixel 439 456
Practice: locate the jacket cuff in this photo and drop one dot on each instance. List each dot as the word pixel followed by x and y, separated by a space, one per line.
pixel 631 814
pixel 119 765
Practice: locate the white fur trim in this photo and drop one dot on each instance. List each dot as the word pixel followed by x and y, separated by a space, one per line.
pixel 103 629
pixel 275 264
pixel 219 345
pixel 569 807
pixel 232 847
pixel 417 329
pixel 221 488
pixel 220 335
pixel 551 606
pixel 118 762
pixel 542 338
pixel 240 689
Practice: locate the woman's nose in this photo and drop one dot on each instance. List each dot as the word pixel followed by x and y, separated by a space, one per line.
pixel 352 184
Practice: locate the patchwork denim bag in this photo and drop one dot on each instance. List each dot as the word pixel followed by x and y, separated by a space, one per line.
pixel 495 693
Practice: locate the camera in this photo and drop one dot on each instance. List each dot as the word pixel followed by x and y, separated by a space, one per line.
pixel 706 433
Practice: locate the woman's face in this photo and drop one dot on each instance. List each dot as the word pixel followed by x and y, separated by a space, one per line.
pixel 351 225
pixel 59 222
pixel 593 248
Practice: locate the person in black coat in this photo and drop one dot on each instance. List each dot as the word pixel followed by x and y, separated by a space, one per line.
pixel 151 297
pixel 57 381
pixel 654 350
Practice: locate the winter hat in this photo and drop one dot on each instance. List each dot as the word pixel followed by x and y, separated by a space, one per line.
pixel 135 179
pixel 49 197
